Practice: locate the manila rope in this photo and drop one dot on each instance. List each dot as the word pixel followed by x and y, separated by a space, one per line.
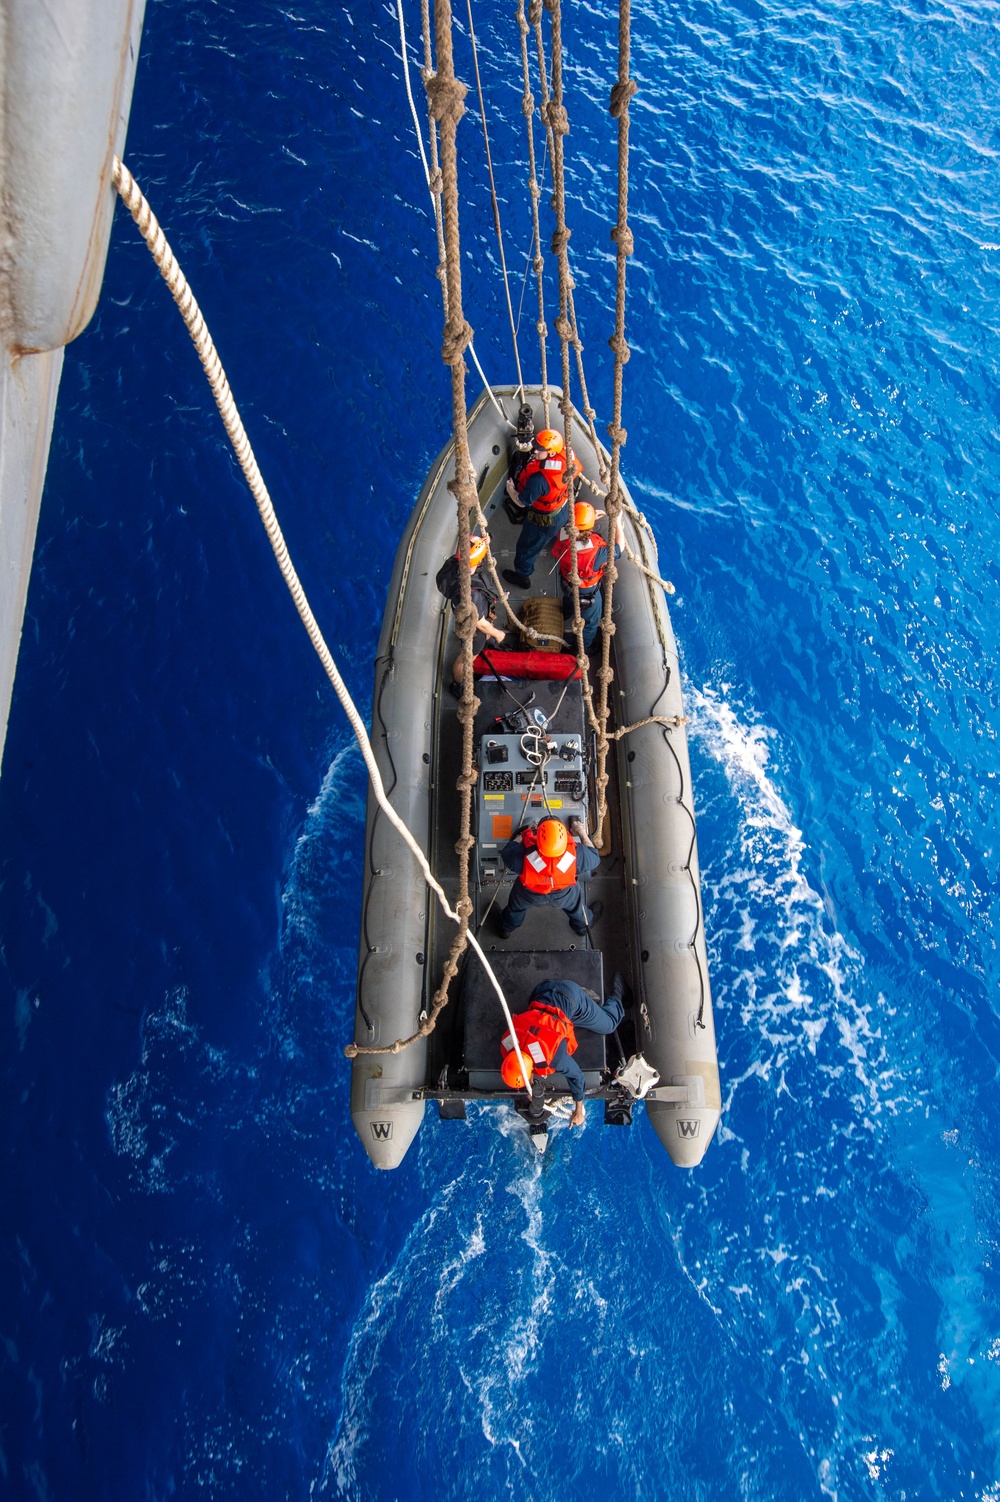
pixel 134 201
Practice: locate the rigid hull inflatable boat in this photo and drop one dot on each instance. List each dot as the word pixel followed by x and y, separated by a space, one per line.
pixel 650 929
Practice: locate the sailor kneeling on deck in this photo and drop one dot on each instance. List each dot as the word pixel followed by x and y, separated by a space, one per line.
pixel 549 864
pixel 546 1034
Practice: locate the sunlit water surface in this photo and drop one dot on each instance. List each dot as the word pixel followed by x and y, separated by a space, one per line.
pixel 207 1291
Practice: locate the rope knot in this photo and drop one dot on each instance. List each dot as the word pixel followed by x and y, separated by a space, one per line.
pixel 565 330
pixel 437 182
pixel 617 434
pixel 555 117
pixel 622 236
pixel 560 240
pixel 621 349
pixel 527 104
pixel 457 338
pixel 620 96
pixel 464 490
pixel 447 98
pixel 535 12
pixel 466 617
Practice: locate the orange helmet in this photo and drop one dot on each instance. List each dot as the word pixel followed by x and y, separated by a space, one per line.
pixel 552 838
pixel 584 516
pixel 510 1070
pixel 549 440
pixel 477 551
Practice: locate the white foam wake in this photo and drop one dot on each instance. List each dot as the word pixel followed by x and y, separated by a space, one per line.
pixel 777 949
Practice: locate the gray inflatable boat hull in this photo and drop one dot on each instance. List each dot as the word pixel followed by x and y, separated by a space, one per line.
pixel 669 969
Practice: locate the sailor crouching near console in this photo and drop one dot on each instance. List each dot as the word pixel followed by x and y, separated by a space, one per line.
pixel 546 1034
pixel 549 862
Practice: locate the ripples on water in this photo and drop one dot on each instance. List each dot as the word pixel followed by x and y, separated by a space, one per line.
pixel 207 1291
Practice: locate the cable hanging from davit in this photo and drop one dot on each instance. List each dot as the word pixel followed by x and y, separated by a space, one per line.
pixel 495 202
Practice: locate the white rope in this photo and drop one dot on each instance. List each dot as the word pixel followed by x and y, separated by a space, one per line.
pixel 165 259
pixel 409 92
pixel 489 388
pixel 435 204
pixel 495 201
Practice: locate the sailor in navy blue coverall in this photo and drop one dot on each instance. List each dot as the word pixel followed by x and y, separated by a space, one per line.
pixel 570 899
pixel 583 1010
pixel 539 528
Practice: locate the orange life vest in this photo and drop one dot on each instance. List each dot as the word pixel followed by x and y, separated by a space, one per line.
pixel 553 467
pixel 540 1030
pixel 547 873
pixel 587 548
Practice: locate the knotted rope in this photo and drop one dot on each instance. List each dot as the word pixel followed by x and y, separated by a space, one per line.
pixel 495 201
pixel 535 192
pixel 622 92
pixel 133 199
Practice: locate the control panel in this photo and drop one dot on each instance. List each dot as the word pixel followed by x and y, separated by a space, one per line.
pixel 522 779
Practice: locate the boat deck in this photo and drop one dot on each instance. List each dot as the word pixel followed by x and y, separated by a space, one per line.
pixel 454 1059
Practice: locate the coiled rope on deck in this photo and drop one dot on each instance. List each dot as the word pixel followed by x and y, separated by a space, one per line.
pixel 133 199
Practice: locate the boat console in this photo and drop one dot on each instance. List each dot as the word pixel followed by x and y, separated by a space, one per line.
pixel 532 762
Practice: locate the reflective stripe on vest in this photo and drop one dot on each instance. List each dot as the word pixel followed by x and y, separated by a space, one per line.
pixel 540 1030
pixel 541 875
pixel 587 549
pixel 553 468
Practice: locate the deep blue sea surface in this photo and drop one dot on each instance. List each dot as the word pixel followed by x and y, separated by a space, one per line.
pixel 206 1289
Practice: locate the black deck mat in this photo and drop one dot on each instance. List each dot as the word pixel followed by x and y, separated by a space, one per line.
pixel 518 973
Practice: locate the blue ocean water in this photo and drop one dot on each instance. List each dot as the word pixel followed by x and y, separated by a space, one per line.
pixel 206 1289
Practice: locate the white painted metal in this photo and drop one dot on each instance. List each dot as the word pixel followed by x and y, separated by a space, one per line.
pixel 66 74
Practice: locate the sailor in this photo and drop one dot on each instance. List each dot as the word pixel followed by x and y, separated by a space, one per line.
pixel 484 601
pixel 546 1034
pixel 542 492
pixel 549 863
pixel 591 561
